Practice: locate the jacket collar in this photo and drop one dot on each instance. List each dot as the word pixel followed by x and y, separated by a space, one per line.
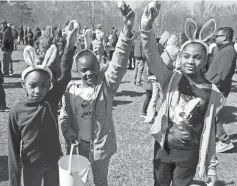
pixel 224 45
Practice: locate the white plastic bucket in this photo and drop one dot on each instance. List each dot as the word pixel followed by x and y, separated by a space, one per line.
pixel 73 169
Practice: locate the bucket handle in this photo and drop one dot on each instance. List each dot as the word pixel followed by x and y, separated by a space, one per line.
pixel 70 157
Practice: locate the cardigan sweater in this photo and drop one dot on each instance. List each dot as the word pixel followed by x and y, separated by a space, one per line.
pixel 169 81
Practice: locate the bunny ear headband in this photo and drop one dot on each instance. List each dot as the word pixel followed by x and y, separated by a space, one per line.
pixel 31 59
pixel 191 28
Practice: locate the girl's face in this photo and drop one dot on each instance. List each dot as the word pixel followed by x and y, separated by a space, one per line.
pixel 193 59
pixel 37 85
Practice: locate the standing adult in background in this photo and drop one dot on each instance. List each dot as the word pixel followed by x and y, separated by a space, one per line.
pixel 37 34
pixel 148 87
pixel 220 72
pixel 0 36
pixel 7 48
pixel 213 50
pixel 235 44
pixel 140 61
pixel 100 35
pixel 30 37
pixel 113 39
pixel 15 37
pixel 162 42
pixel 25 35
pixel 132 59
pixel 21 35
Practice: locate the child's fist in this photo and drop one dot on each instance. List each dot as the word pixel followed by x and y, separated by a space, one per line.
pixel 128 14
pixel 149 15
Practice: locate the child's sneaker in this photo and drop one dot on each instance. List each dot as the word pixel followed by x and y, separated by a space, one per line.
pixel 143 115
pixel 222 147
pixel 4 109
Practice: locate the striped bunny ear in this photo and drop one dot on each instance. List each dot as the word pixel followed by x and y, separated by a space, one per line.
pixel 208 29
pixel 29 56
pixel 190 29
pixel 50 56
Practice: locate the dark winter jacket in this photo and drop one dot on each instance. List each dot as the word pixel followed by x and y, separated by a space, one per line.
pixel 7 40
pixel 15 33
pixel 222 68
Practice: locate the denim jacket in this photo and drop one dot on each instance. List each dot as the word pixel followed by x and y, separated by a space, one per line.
pixel 103 136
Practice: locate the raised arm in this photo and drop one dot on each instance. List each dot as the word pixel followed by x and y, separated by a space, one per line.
pixel 154 60
pixel 118 65
pixel 14 139
pixel 60 85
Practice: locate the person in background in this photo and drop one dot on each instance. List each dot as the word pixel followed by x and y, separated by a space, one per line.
pixel 148 87
pixel 213 50
pixel 113 39
pixel 55 31
pixel 37 34
pixel 235 44
pixel 171 52
pixel 3 107
pixel 162 41
pixel 30 37
pixel 26 34
pixel 100 35
pixel 7 48
pixel 0 36
pixel 220 72
pixel 15 37
pixel 132 59
pixel 140 61
pixel 21 36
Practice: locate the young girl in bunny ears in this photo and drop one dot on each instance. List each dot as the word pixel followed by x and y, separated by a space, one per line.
pixel 184 126
pixel 33 134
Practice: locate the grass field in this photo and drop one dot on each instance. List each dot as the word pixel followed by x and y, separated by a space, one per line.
pixel 132 164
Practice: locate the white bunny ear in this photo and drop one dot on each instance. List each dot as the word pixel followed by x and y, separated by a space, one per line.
pixel 208 29
pixel 190 29
pixel 29 56
pixel 50 56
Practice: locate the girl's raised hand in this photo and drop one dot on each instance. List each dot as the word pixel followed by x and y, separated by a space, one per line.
pixel 128 17
pixel 149 15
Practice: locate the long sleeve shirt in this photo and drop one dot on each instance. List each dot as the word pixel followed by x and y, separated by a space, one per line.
pixel 93 120
pixel 35 126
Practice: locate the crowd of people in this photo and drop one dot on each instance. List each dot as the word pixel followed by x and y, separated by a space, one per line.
pixel 191 71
